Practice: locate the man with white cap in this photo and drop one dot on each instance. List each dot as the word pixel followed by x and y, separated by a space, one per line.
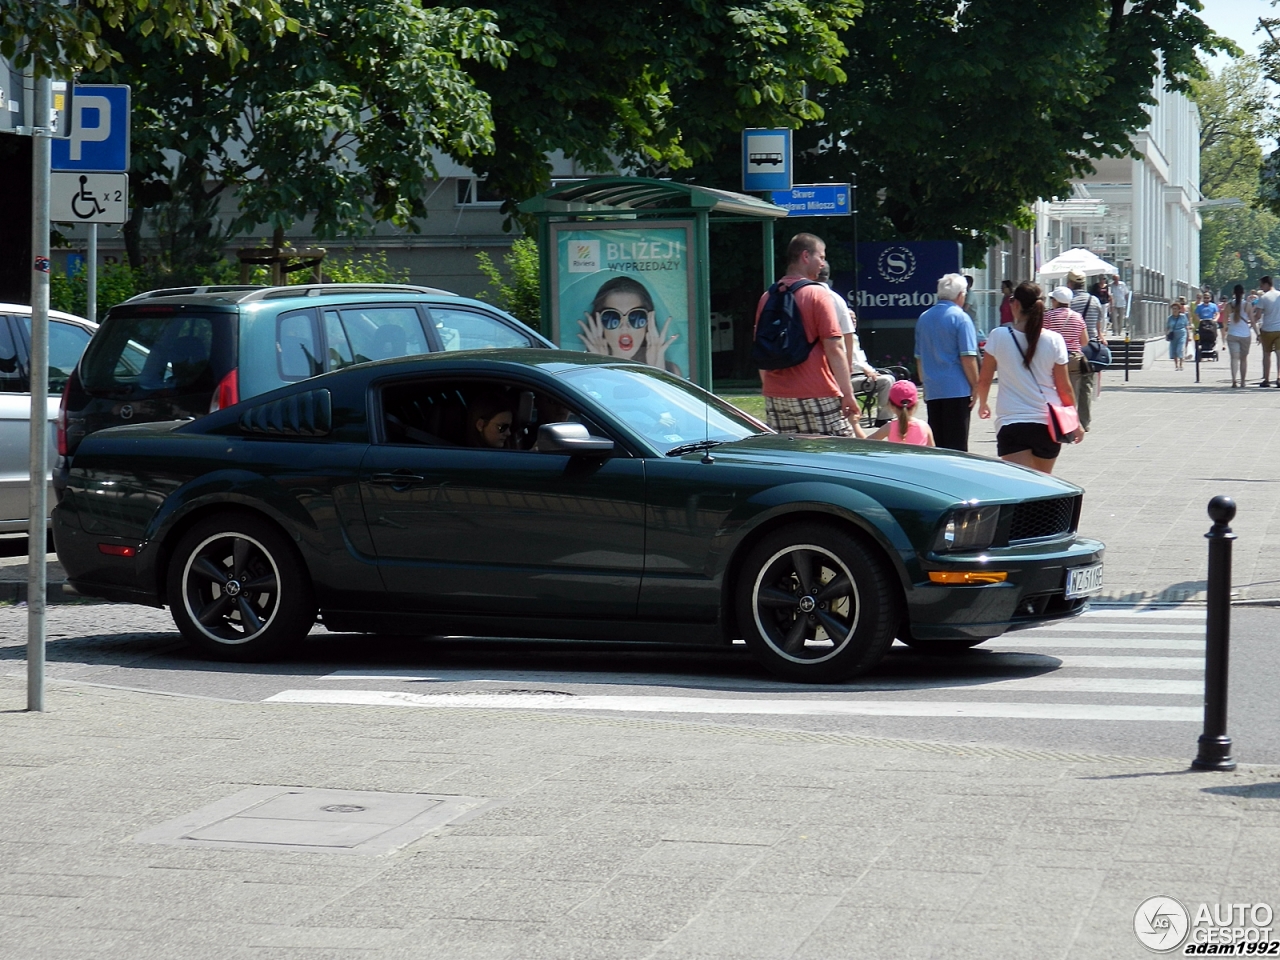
pixel 1087 305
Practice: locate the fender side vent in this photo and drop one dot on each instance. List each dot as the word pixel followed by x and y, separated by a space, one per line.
pixel 308 414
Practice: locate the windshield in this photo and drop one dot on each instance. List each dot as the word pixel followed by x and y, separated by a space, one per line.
pixel 664 409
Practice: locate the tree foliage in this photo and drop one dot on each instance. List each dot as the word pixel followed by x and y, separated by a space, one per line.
pixel 522 295
pixel 1238 112
pixel 956 116
pixel 69 37
pixel 653 86
pixel 336 124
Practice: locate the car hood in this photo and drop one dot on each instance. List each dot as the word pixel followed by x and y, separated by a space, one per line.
pixel 962 476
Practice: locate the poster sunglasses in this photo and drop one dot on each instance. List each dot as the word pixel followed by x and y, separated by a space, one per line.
pixel 612 319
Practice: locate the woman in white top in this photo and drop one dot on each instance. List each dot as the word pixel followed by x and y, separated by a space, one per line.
pixel 1240 327
pixel 1033 373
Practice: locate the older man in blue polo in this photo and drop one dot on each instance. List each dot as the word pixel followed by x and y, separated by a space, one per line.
pixel 947 358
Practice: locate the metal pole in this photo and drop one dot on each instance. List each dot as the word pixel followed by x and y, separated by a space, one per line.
pixel 38 459
pixel 1215 745
pixel 1126 356
pixel 91 308
pixel 853 210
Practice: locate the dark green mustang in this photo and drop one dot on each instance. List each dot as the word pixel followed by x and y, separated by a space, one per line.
pixel 534 493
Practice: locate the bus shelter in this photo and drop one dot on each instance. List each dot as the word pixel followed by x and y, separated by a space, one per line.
pixel 625 266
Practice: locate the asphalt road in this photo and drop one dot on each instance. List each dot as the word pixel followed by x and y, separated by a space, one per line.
pixel 1121 681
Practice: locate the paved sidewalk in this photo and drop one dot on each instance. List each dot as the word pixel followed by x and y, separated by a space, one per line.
pixel 1159 448
pixel 611 838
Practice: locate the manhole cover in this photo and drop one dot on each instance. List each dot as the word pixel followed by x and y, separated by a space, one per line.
pixel 296 818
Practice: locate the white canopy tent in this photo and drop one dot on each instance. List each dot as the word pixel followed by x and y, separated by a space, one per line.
pixel 1086 261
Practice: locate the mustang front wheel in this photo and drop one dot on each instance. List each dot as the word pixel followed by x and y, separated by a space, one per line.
pixel 238 590
pixel 815 605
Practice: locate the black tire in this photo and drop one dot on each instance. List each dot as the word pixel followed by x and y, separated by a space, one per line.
pixel 816 605
pixel 271 606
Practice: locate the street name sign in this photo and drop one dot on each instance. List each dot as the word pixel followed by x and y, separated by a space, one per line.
pixel 766 159
pixel 88 197
pixel 99 141
pixel 815 200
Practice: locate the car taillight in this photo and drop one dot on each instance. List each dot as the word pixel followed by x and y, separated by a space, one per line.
pixel 228 392
pixel 61 433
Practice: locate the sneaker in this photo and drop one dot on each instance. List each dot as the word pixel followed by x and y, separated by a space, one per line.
pixel 1264 383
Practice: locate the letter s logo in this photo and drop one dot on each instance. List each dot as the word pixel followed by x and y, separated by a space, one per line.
pixel 896 264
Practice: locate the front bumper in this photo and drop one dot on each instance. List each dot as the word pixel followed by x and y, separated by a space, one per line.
pixel 1034 593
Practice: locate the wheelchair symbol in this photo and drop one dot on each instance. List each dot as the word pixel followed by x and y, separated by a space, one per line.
pixel 90 202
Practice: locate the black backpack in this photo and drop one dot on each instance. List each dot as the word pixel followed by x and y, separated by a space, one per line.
pixel 780 340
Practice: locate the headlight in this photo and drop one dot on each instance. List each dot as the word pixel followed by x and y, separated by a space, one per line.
pixel 970 528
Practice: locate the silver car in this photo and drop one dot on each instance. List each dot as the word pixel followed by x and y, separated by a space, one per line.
pixel 68 336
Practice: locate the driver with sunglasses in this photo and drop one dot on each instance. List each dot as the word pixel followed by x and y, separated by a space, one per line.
pixel 489 419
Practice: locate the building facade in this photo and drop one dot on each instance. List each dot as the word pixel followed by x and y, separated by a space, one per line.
pixel 1139 213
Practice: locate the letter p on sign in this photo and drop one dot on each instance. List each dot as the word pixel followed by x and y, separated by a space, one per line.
pixel 89 106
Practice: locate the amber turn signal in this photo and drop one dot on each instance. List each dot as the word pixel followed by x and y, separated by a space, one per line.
pixel 968 576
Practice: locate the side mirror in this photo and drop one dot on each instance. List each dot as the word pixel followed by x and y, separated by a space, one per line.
pixel 570 438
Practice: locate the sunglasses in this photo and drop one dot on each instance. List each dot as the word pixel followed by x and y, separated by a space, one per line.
pixel 611 319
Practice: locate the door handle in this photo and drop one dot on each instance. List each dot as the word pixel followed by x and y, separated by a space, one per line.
pixel 399 478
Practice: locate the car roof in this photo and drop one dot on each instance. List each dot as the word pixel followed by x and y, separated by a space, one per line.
pixel 24 309
pixel 249 293
pixel 553 362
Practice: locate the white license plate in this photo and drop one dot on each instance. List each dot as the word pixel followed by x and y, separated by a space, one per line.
pixel 1084 581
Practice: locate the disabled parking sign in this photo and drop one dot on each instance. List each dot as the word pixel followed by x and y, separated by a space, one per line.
pixel 88 197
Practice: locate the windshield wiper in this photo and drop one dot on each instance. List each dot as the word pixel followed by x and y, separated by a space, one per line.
pixel 696 445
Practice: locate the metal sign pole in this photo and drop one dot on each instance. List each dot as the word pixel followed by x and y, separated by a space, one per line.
pixel 38 461
pixel 91 307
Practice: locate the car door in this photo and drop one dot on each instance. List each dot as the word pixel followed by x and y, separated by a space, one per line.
pixel 15 430
pixel 66 343
pixel 515 532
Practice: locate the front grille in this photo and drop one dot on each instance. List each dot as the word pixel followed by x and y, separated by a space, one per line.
pixel 1039 519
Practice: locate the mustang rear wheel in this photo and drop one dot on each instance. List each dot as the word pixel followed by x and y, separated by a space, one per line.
pixel 815 605
pixel 238 590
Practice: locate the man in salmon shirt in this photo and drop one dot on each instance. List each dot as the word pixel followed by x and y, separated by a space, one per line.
pixel 816 395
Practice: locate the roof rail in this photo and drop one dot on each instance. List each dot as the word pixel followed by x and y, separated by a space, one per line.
pixel 188 291
pixel 325 289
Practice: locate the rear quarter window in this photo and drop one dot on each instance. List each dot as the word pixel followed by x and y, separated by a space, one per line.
pixel 160 355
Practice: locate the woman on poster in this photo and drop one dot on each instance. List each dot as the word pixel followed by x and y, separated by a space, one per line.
pixel 622 323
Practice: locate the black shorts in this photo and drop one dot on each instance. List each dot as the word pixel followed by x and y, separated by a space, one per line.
pixel 1016 437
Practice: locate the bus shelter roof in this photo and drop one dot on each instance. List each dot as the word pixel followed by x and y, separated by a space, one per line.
pixel 644 197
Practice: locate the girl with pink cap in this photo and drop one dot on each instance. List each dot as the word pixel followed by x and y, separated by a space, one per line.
pixel 904 428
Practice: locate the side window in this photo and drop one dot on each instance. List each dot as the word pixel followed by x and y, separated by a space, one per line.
pixel 340 354
pixel 298 346
pixel 12 378
pixel 482 414
pixel 471 330
pixel 66 342
pixel 380 333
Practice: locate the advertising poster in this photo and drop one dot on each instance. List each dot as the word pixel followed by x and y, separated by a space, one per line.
pixel 624 290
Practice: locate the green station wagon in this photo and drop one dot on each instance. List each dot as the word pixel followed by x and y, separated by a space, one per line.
pixel 186 351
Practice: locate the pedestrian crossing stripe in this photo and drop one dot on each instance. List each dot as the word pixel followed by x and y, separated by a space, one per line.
pixel 762 707
pixel 1091 626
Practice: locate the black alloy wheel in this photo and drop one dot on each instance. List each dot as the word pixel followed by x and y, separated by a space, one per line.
pixel 815 604
pixel 238 590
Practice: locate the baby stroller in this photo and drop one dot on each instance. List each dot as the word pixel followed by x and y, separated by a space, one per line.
pixel 1208 340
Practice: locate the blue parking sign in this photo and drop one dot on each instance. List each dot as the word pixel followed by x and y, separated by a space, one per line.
pixel 99 140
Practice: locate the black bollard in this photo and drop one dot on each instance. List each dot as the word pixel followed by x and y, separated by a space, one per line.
pixel 1198 355
pixel 1215 745
pixel 1126 356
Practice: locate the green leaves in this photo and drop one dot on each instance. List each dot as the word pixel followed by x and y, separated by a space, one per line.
pixel 69 38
